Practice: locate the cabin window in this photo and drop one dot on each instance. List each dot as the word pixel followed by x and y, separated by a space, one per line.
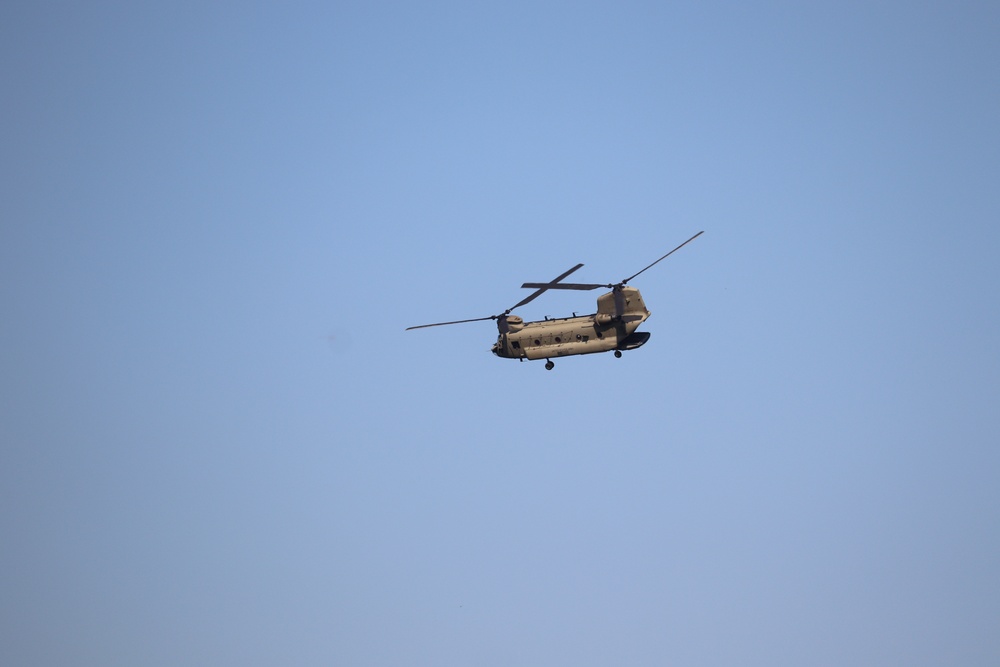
pixel 538 342
pixel 516 345
pixel 558 339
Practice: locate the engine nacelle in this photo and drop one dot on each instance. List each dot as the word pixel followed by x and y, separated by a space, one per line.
pixel 602 319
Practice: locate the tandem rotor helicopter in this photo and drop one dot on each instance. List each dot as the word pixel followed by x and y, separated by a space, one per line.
pixel 612 327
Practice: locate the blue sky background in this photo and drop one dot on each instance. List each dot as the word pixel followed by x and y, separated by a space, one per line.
pixel 220 447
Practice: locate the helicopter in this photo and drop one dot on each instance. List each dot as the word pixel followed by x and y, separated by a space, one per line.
pixel 611 328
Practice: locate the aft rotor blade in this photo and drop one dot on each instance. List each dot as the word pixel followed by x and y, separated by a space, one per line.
pixel 542 287
pixel 665 256
pixel 441 324
pixel 576 286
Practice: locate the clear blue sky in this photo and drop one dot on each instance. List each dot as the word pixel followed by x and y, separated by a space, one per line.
pixel 218 446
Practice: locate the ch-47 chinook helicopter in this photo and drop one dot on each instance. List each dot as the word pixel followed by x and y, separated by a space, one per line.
pixel 612 327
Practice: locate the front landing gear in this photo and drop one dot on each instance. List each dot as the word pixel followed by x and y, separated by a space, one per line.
pixel 618 354
pixel 549 364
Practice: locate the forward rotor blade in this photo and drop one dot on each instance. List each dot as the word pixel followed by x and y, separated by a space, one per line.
pixel 665 256
pixel 441 324
pixel 576 286
pixel 542 287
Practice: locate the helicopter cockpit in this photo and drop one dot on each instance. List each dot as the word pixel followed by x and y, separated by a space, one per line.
pixel 506 348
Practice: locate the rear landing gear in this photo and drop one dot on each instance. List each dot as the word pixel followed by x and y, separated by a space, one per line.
pixel 549 364
pixel 618 354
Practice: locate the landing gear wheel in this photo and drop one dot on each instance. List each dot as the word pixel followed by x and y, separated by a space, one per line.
pixel 618 354
pixel 549 365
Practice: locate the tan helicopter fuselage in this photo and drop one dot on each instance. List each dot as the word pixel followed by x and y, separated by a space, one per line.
pixel 586 334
